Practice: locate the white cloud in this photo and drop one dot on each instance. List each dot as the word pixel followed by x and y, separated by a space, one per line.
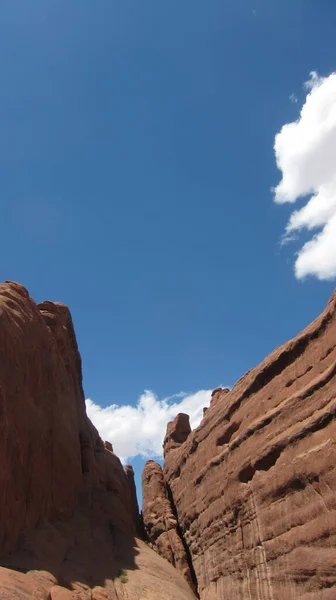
pixel 305 152
pixel 293 98
pixel 139 430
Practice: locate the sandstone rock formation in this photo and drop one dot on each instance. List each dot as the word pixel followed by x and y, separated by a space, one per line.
pixel 160 522
pixel 177 432
pixel 254 486
pixel 68 511
pixel 245 507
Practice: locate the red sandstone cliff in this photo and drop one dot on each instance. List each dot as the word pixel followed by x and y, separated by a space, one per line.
pixel 254 486
pixel 245 507
pixel 68 511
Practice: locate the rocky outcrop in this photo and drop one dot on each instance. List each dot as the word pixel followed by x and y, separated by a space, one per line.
pixel 254 486
pixel 160 522
pixel 245 506
pixel 68 511
pixel 177 432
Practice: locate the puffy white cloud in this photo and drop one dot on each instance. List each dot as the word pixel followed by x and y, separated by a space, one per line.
pixel 139 430
pixel 305 152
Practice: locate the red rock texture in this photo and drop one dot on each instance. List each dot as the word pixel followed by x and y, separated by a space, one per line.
pixel 177 432
pixel 246 502
pixel 254 486
pixel 40 428
pixel 67 508
pixel 160 522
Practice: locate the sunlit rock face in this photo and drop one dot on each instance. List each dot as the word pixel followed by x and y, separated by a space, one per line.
pixel 253 488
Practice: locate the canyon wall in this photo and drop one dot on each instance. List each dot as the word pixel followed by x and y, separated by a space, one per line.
pixel 253 488
pixel 245 507
pixel 68 510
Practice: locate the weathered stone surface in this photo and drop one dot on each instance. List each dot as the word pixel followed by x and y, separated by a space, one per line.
pixel 67 509
pixel 254 486
pixel 177 432
pixel 247 501
pixel 40 473
pixel 160 522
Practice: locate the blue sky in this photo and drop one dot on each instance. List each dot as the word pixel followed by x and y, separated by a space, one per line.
pixel 137 161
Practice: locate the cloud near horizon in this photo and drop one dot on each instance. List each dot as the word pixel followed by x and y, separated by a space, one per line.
pixel 305 152
pixel 139 430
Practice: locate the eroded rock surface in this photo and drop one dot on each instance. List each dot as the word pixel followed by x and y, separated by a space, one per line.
pixel 177 432
pixel 160 522
pixel 68 511
pixel 254 486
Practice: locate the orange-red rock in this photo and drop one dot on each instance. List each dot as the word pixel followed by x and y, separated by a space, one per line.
pixel 177 432
pixel 160 522
pixel 67 508
pixel 246 502
pixel 254 486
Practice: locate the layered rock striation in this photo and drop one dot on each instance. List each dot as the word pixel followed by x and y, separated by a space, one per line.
pixel 253 488
pixel 245 507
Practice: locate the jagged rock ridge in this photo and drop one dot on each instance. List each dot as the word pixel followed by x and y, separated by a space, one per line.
pixel 254 486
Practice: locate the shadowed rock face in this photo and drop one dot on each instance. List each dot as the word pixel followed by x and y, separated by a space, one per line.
pixel 133 496
pixel 160 522
pixel 254 486
pixel 42 414
pixel 68 510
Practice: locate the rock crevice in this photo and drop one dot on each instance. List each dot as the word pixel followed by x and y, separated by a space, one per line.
pixel 161 524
